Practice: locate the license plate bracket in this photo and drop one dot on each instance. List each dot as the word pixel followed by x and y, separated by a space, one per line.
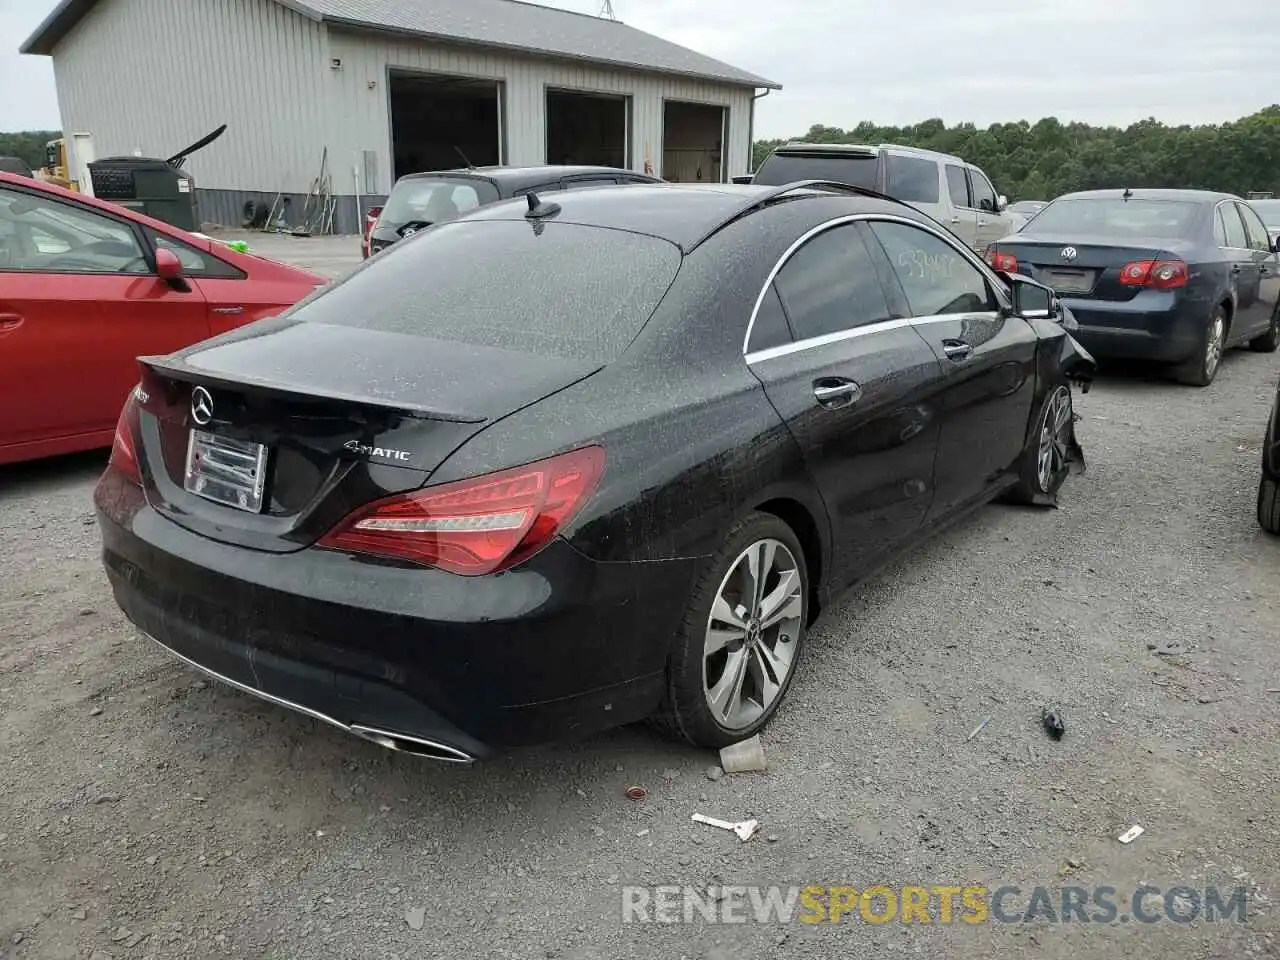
pixel 1070 281
pixel 227 471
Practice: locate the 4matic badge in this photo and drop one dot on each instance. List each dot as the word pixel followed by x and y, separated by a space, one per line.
pixel 385 453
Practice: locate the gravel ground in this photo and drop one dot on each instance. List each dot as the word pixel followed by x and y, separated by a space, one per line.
pixel 146 813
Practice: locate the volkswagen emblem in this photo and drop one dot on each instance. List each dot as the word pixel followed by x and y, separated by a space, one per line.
pixel 1068 253
pixel 201 406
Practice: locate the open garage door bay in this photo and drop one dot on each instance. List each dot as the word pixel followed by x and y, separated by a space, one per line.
pixel 440 122
pixel 693 137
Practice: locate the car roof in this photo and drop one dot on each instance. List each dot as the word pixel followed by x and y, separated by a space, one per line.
pixel 685 214
pixel 863 149
pixel 1140 193
pixel 516 178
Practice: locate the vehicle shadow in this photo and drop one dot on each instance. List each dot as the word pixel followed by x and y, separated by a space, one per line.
pixel 52 474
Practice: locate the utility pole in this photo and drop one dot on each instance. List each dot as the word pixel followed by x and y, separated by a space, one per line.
pixel 606 10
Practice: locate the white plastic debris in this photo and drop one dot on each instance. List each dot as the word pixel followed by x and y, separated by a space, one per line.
pixel 745 829
pixel 1130 835
pixel 746 756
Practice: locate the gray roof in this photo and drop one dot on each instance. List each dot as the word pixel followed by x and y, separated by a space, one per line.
pixel 503 24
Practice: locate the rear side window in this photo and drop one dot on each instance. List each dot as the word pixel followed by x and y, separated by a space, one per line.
pixel 958 186
pixel 1236 237
pixel 934 276
pixel 770 327
pixel 830 285
pixel 550 289
pixel 913 179
pixel 780 168
pixel 1219 228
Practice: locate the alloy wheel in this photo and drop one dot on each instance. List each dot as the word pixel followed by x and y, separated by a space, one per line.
pixel 1213 346
pixel 1055 434
pixel 752 634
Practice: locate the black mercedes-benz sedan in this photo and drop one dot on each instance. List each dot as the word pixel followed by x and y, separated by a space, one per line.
pixel 1174 276
pixel 558 466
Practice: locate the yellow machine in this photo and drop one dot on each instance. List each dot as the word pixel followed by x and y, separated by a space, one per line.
pixel 56 166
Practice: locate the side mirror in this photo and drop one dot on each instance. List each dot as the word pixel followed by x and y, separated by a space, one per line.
pixel 168 266
pixel 1033 300
pixel 1001 202
pixel 1275 244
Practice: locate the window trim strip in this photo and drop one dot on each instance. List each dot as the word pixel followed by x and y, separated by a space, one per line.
pixel 796 345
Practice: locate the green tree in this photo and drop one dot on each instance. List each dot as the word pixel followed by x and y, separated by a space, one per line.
pixel 28 145
pixel 1044 159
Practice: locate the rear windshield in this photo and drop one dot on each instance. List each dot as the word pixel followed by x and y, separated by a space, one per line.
pixel 1269 211
pixel 550 289
pixel 782 168
pixel 434 199
pixel 1113 217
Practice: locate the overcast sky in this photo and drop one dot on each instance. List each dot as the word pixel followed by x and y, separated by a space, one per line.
pixel 842 61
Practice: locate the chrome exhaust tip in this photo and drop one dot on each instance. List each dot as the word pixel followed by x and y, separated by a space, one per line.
pixel 416 746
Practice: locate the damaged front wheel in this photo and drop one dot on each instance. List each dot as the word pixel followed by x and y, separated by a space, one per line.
pixel 1051 450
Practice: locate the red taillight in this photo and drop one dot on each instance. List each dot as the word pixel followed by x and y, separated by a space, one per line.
pixel 124 450
pixel 476 526
pixel 1003 261
pixel 1160 274
pixel 370 218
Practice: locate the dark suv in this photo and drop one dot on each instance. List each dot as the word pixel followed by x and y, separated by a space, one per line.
pixel 420 199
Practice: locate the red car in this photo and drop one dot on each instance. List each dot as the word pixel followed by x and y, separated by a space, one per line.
pixel 85 288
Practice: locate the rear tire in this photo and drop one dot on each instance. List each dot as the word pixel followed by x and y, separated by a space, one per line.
pixel 1045 462
pixel 1269 505
pixel 1269 341
pixel 1200 370
pixel 737 648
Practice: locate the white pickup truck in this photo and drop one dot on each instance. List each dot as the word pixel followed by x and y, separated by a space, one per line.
pixel 955 193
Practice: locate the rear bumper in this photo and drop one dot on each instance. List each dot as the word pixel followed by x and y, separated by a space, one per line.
pixel 1154 325
pixel 560 646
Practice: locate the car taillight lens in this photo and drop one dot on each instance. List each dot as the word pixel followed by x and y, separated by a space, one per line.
pixel 1160 274
pixel 124 445
pixel 1003 261
pixel 370 219
pixel 476 526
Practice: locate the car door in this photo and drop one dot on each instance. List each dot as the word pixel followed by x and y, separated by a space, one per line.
pixel 854 387
pixel 1267 264
pixel 79 302
pixel 963 219
pixel 988 358
pixel 992 224
pixel 1245 271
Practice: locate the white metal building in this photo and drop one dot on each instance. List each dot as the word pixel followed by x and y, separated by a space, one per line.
pixel 386 87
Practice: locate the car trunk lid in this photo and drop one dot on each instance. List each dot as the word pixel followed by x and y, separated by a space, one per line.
pixel 269 436
pixel 1085 267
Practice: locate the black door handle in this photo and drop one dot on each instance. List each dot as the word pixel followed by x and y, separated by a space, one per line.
pixel 1235 268
pixel 957 349
pixel 836 392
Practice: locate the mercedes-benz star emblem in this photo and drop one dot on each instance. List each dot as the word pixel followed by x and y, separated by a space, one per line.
pixel 1068 253
pixel 201 406
pixel 411 231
